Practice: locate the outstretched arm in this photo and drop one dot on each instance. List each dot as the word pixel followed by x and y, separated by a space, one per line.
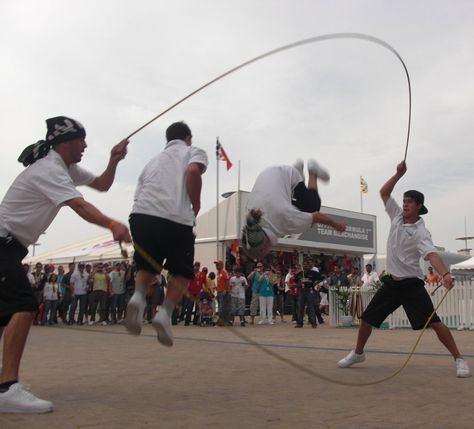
pixel 93 215
pixel 387 188
pixel 327 220
pixel 104 181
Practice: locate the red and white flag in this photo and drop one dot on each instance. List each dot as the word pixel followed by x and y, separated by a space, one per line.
pixel 221 155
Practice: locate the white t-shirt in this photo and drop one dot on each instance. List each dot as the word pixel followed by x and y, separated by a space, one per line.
pixel 272 194
pixel 406 244
pixel 161 189
pixel 237 286
pixel 79 282
pixel 369 279
pixel 36 195
pixel 50 291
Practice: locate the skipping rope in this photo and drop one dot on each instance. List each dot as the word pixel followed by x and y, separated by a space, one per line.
pixel 325 37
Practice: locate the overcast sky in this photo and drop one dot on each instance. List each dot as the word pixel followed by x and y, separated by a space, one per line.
pixel 114 65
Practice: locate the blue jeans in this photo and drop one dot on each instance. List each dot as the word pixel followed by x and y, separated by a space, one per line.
pixel 51 307
pixel 306 299
pixel 117 306
pixel 82 308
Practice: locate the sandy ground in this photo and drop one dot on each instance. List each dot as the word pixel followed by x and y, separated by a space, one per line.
pixel 100 377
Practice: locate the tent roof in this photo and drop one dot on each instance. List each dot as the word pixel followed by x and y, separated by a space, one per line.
pixel 468 264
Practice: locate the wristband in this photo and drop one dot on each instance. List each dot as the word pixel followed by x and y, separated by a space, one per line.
pixel 445 274
pixel 112 224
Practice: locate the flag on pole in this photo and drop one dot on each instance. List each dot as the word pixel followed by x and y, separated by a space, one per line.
pixel 364 189
pixel 221 155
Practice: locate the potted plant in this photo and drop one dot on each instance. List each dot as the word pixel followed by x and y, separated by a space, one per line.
pixel 343 297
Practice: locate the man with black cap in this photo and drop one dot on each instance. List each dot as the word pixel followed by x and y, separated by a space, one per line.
pixel 408 240
pixel 28 208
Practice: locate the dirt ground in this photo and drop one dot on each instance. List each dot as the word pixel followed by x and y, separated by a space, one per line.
pixel 100 377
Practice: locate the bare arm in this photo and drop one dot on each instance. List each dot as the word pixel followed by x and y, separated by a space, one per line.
pixel 438 264
pixel 327 220
pixel 194 185
pixel 387 188
pixel 93 215
pixel 104 181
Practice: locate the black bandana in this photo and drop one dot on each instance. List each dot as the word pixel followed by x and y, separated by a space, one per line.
pixel 60 129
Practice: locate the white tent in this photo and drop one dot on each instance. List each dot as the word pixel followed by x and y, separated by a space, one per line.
pixel 468 264
pixel 102 248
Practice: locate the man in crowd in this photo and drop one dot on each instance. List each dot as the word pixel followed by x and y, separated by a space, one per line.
pixel 224 300
pixel 79 283
pixel 370 277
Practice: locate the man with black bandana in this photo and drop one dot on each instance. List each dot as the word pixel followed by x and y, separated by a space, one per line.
pixel 28 208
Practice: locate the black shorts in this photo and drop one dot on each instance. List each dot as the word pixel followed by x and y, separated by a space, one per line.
pixel 162 240
pixel 16 293
pixel 306 200
pixel 409 293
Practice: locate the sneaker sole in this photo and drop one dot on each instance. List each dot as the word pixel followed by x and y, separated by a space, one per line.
pixel 131 324
pixel 16 410
pixel 163 337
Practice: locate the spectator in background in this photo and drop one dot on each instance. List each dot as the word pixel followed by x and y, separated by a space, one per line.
pixel 293 291
pixel 223 295
pixel 238 286
pixel 51 298
pixel 338 278
pixel 254 278
pixel 66 299
pixel 432 278
pixel 79 284
pixel 279 295
pixel 354 278
pixel 370 277
pixel 98 297
pixel 265 297
pixel 117 281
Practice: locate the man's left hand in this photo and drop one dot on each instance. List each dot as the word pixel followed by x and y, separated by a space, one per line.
pixel 119 151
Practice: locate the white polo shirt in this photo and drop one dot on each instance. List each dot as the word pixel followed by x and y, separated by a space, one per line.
pixel 161 189
pixel 406 244
pixel 36 195
pixel 272 194
pixel 79 281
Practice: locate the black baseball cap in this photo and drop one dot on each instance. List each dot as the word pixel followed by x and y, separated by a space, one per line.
pixel 419 198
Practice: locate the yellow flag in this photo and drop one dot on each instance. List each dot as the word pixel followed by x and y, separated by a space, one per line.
pixel 364 189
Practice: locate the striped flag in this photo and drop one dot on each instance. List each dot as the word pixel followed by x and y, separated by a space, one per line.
pixel 221 155
pixel 364 189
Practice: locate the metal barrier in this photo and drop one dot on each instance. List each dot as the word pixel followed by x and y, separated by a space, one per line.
pixel 456 311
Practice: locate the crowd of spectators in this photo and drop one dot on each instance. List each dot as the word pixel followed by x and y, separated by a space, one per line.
pixel 99 293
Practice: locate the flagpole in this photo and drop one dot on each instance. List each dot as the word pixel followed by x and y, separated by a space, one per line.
pixel 239 208
pixel 361 200
pixel 217 199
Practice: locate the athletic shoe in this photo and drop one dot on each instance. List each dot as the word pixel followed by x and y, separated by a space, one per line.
pixel 317 170
pixel 17 399
pixel 91 322
pixel 162 324
pixel 298 325
pixel 462 368
pixel 351 359
pixel 134 318
pixel 104 323
pixel 299 165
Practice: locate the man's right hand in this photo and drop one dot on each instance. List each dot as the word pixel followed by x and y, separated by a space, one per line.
pixel 401 168
pixel 121 233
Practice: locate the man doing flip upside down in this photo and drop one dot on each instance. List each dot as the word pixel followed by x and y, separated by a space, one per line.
pixel 281 204
pixel 408 240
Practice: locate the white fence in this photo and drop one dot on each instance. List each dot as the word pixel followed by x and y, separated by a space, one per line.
pixel 456 311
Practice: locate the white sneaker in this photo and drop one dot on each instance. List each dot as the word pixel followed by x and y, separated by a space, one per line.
pixel 91 322
pixel 104 323
pixel 162 324
pixel 351 359
pixel 462 368
pixel 17 399
pixel 317 170
pixel 261 322
pixel 299 165
pixel 134 318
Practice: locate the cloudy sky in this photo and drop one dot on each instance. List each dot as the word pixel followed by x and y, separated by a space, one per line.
pixel 116 64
